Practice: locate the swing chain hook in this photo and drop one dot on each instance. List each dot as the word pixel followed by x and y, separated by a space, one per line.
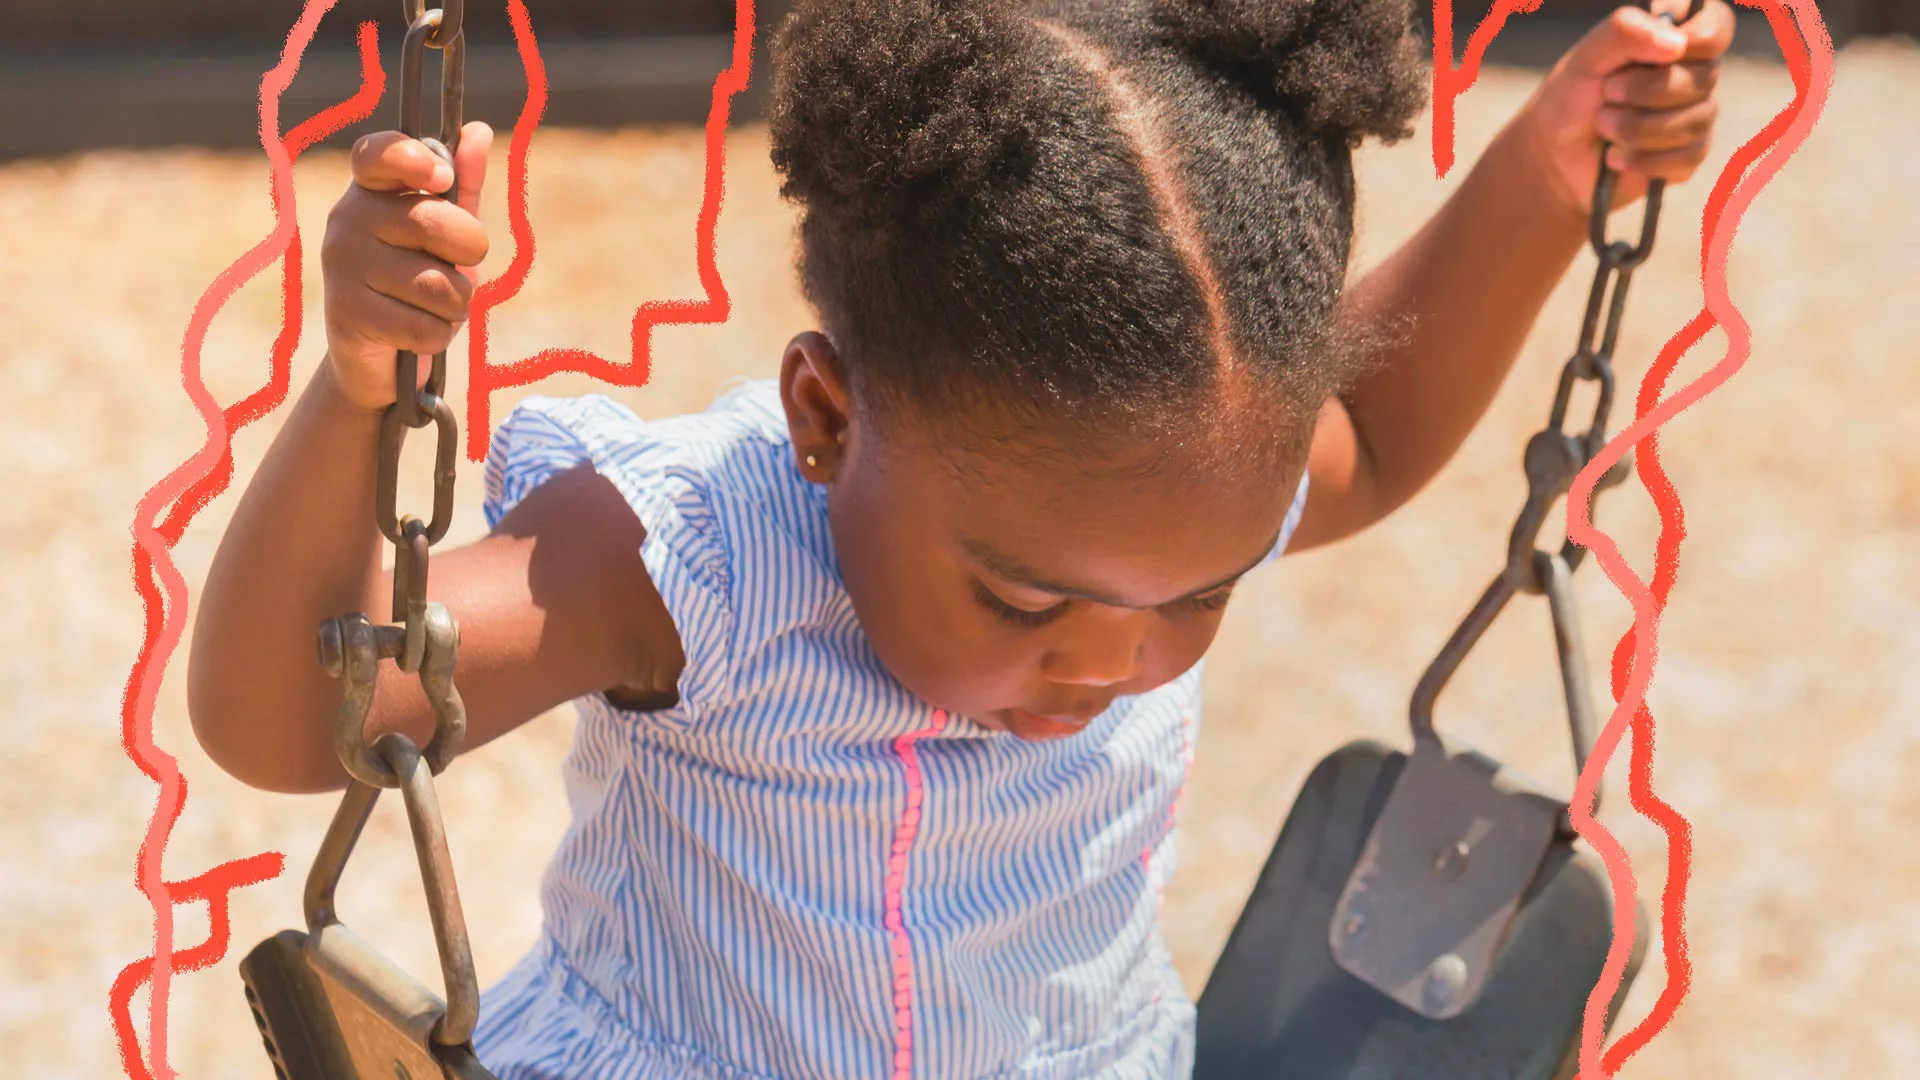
pixel 424 639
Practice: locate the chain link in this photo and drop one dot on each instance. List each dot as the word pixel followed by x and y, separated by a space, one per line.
pixel 1554 457
pixel 424 639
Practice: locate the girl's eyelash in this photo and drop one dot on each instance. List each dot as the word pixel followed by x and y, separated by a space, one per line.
pixel 1016 616
pixel 1212 601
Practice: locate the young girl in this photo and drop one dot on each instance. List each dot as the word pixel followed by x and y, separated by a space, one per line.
pixel 887 668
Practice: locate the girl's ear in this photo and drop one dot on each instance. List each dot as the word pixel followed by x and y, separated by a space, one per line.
pixel 813 390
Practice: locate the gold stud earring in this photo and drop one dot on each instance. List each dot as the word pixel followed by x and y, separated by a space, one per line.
pixel 812 462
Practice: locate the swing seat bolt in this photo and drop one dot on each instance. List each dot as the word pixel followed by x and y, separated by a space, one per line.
pixel 333 649
pixel 1353 929
pixel 1451 861
pixel 1446 977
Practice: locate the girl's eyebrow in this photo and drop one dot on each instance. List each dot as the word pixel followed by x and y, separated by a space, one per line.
pixel 1015 572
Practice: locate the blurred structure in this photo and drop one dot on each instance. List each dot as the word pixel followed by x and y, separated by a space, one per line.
pixel 86 74
pixel 1537 39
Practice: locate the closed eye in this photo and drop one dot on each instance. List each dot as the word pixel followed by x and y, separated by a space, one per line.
pixel 1017 616
pixel 1030 619
pixel 1213 601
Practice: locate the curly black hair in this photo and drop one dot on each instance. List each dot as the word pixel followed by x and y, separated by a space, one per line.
pixel 1080 207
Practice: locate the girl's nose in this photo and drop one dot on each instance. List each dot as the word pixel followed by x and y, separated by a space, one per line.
pixel 1107 654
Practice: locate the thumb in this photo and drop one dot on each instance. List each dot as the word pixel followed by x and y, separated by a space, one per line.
pixel 470 165
pixel 1628 36
pixel 470 161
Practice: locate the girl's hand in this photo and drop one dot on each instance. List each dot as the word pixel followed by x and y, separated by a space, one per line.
pixel 1644 87
pixel 398 261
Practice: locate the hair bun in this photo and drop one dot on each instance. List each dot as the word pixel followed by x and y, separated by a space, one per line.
pixel 885 107
pixel 1350 67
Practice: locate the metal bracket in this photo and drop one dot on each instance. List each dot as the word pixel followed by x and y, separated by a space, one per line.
pixel 1436 889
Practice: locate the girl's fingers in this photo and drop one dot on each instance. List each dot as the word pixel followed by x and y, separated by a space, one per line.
pixel 423 282
pixel 1710 32
pixel 1662 87
pixel 429 224
pixel 399 325
pixel 1628 36
pixel 1655 130
pixel 389 161
pixel 1674 166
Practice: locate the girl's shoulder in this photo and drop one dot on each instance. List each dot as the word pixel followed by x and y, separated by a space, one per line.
pixel 714 490
pixel 692 479
pixel 742 432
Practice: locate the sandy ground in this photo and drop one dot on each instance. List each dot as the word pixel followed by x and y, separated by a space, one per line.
pixel 1787 691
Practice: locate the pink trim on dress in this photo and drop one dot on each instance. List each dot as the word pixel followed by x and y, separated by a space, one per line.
pixel 896 883
pixel 1173 810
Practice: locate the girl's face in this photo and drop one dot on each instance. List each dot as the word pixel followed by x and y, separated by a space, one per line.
pixel 1014 582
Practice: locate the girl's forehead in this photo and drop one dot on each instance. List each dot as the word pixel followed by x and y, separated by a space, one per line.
pixel 1138 526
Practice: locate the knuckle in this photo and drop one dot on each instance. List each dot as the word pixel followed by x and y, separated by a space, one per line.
pixel 427 221
pixel 337 241
pixel 437 287
pixel 368 150
pixel 427 334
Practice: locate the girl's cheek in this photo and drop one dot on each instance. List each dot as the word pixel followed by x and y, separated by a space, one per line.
pixel 947 650
pixel 1181 647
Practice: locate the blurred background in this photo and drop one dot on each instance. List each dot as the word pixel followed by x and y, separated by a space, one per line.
pixel 85 74
pixel 1787 693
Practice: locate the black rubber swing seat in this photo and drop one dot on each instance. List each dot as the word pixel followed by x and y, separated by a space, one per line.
pixel 1279 1007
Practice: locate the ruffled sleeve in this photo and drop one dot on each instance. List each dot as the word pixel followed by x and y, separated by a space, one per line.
pixel 1291 522
pixel 663 479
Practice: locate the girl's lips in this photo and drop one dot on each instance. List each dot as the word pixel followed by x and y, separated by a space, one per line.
pixel 1034 726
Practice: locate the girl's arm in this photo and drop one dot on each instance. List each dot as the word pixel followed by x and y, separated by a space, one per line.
pixel 553 605
pixel 1473 280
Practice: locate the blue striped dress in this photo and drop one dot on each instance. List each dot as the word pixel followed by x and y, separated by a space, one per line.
pixel 801 871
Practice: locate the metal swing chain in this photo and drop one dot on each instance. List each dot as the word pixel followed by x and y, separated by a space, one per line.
pixel 1553 458
pixel 424 639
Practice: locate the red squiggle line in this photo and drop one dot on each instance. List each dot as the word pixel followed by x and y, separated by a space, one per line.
pixel 186 490
pixel 1653 476
pixel 483 379
pixel 1805 47
pixel 1813 80
pixel 216 887
pixel 1449 82
pixel 373 85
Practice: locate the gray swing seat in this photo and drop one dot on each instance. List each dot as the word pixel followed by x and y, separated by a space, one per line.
pixel 1280 1005
pixel 1426 915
